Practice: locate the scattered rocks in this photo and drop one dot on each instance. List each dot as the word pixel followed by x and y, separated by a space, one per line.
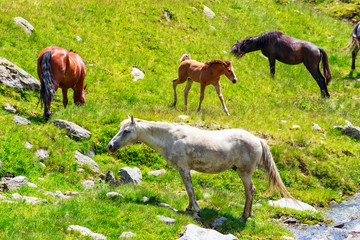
pixel 207 11
pixel 127 235
pixel 316 127
pixel 24 24
pixel 86 232
pixel 157 172
pixel 349 130
pixel 9 108
pixel 164 205
pixel 183 117
pixel 166 219
pixel 194 232
pixel 42 153
pixel 114 194
pixel 218 222
pixel 130 175
pixel 14 77
pixel 21 120
pixel 293 204
pixel 85 160
pixel 16 183
pixel 88 184
pixel 137 73
pixel 72 129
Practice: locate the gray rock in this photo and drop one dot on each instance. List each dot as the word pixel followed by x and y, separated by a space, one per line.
pixel 31 200
pixel 207 11
pixel 72 129
pixel 17 196
pixel 166 219
pixel 109 178
pixel 295 127
pixel 21 120
pixel 206 195
pixel 316 127
pixel 42 153
pixel 127 235
pixel 114 194
pixel 137 73
pixel 183 117
pixel 79 39
pixel 42 164
pixel 85 160
pixel 24 24
pixel 293 204
pixel 130 175
pixel 16 183
pixel 51 194
pixel 90 153
pixel 72 194
pixel 88 184
pixel 164 205
pixel 194 232
pixel 14 77
pixel 9 108
pixel 86 232
pixel 59 194
pixel 218 222
pixel 145 199
pixel 349 130
pixel 31 185
pixel 157 172
pixel 28 145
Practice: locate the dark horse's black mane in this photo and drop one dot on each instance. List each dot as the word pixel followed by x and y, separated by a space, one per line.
pixel 264 38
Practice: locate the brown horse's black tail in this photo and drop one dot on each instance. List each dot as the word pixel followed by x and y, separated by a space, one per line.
pixel 47 80
pixel 326 68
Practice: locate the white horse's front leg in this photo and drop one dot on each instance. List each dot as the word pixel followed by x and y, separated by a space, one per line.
pixel 186 177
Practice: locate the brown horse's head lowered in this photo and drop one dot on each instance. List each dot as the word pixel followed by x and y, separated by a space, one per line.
pixel 56 68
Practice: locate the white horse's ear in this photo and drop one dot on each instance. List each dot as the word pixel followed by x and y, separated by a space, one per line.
pixel 127 115
pixel 132 119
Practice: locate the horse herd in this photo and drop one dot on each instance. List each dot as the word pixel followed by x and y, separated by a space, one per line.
pixel 185 147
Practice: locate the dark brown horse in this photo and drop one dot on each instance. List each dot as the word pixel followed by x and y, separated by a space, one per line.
pixel 204 73
pixel 275 45
pixel 355 44
pixel 56 67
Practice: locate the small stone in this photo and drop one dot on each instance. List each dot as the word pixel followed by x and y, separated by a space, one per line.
pixel 28 145
pixel 207 11
pixel 72 194
pixel 42 164
pixel 79 39
pixel 109 178
pixel 9 108
pixel 316 127
pixel 86 232
pixel 127 235
pixel 137 73
pixel 21 120
pixel 145 199
pixel 130 175
pixel 218 222
pixel 88 184
pixel 283 121
pixel 206 195
pixel 164 205
pixel 295 127
pixel 293 204
pixel 17 182
pixel 40 178
pixel 166 219
pixel 59 194
pixel 42 153
pixel 157 172
pixel 30 200
pixel 24 24
pixel 114 194
pixel 17 196
pixel 198 233
pixel 213 28
pixel 31 185
pixel 183 117
pixel 50 194
pixel 85 160
pixel 72 129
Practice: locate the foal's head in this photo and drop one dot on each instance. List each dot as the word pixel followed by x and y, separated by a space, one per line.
pixel 229 71
pixel 127 135
pixel 241 47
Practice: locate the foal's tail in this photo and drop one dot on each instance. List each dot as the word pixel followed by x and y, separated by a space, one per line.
pixel 47 79
pixel 326 68
pixel 275 181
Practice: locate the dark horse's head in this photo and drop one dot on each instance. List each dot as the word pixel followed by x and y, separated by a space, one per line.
pixel 241 47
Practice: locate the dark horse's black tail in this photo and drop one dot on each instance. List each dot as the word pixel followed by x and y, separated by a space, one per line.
pixel 47 80
pixel 326 67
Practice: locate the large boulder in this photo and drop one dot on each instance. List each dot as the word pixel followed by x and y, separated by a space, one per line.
pixel 72 129
pixel 14 77
pixel 130 175
pixel 194 232
pixel 24 24
pixel 349 130
pixel 85 160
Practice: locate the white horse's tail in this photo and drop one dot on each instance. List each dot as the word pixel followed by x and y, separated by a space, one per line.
pixel 268 164
pixel 185 57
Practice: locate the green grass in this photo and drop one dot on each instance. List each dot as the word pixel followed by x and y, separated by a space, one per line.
pixel 120 34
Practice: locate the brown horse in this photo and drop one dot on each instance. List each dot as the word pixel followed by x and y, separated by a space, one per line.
pixel 275 45
pixel 355 44
pixel 204 73
pixel 56 67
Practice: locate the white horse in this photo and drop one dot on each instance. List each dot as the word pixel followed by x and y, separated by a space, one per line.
pixel 185 148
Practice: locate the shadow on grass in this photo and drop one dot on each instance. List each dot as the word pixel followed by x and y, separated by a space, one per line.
pixel 352 76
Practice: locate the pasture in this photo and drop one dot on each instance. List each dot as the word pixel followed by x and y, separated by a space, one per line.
pixel 316 167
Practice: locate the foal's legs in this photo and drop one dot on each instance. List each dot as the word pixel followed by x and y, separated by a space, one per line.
pixel 272 66
pixel 218 91
pixel 186 177
pixel 174 87
pixel 354 54
pixel 186 91
pixel 313 68
pixel 202 94
pixel 65 98
pixel 249 194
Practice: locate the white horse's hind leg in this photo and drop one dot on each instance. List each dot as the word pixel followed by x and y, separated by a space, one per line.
pixel 186 177
pixel 249 194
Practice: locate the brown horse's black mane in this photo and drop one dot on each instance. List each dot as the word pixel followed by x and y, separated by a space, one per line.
pixel 215 62
pixel 264 38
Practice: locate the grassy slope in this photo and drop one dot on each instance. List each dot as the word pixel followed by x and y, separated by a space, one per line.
pixel 119 35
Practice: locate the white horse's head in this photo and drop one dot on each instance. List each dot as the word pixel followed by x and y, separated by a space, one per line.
pixel 126 136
